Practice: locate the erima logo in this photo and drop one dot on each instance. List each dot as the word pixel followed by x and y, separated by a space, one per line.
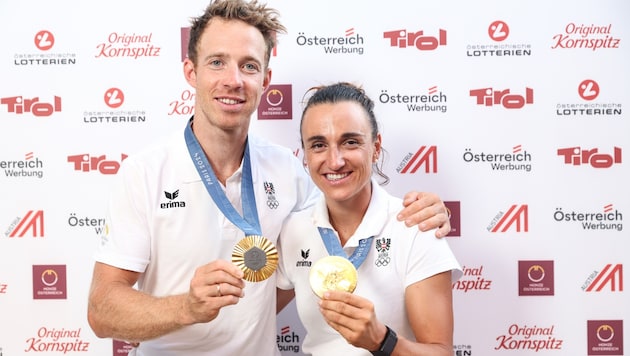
pixel 172 204
pixel 304 262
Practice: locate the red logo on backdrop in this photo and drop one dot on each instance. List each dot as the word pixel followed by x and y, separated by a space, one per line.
pixel 49 282
pixel 426 156
pixel 455 217
pixel 121 347
pixel 288 340
pixel 404 39
pixel 535 278
pixel 611 275
pixel 276 103
pixel 491 97
pixel 3 288
pixel 184 33
pixel 21 105
pixel 605 337
pixel 86 163
pixel 498 31
pixel 32 222
pixel 517 215
pixel 577 156
pixel 472 279
pixel 44 40
pixel 114 97
pixel 588 89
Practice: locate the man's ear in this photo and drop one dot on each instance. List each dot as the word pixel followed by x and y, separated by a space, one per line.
pixel 189 72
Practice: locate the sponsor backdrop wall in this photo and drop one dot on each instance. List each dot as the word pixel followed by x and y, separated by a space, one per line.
pixel 515 113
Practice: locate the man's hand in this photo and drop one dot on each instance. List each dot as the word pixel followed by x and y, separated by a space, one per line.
pixel 427 211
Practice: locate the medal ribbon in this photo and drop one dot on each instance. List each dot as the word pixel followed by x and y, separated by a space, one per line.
pixel 249 224
pixel 331 241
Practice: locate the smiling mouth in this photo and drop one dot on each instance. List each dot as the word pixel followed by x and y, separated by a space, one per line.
pixel 336 176
pixel 229 101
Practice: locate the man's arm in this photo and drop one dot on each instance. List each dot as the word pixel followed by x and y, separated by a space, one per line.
pixel 117 310
pixel 427 211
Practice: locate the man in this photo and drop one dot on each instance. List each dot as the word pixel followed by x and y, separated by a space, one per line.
pixel 190 300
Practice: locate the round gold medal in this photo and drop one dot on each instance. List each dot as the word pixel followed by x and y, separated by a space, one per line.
pixel 333 273
pixel 256 256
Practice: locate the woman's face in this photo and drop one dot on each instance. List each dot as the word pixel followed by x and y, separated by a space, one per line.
pixel 339 150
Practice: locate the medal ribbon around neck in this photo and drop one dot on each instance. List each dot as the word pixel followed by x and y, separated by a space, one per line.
pixel 331 241
pixel 256 256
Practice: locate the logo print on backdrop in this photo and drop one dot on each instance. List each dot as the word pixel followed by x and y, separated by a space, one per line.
pixel 185 105
pixel 517 160
pixel 434 100
pixel 276 103
pixel 608 219
pixel 491 97
pixel 583 36
pixel 588 90
pixel 426 155
pixel 288 340
pixel 20 105
pixel 405 38
pixel 134 46
pixel 85 163
pixel 350 42
pixel 121 347
pixel 611 275
pixel 516 215
pixel 498 31
pixel 49 282
pixel 97 223
pixel 44 40
pixel 577 156
pixel 529 338
pixel 453 208
pixel 3 289
pixel 462 350
pixel 472 279
pixel 32 222
pixel 30 166
pixel 535 278
pixel 605 337
pixel 114 98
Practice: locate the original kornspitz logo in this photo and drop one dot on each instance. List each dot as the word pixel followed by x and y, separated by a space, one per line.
pixel 53 340
pixel 473 279
pixel 529 338
pixel 124 45
pixel 585 36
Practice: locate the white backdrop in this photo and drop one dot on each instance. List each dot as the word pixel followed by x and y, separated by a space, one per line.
pixel 513 112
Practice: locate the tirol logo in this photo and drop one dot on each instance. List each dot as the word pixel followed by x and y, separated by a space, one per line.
pixel 172 203
pixel 433 100
pixel 49 282
pixel 32 223
pixel 31 166
pixel 84 162
pixel 577 156
pixel 517 160
pixel 121 347
pixel 184 105
pixel 585 36
pixel 122 45
pixel 588 90
pixel 276 103
pixel 607 219
pixel 505 98
pixel 535 278
pixel 529 338
pixel 611 278
pixel 350 43
pixel 498 31
pixel 517 216
pixel 288 340
pixel 21 105
pixel 44 40
pixel 417 39
pixel 605 337
pixel 114 98
pixel 472 280
pixel 454 215
pixel 425 156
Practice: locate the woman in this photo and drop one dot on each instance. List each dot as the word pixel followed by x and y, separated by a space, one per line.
pixel 402 304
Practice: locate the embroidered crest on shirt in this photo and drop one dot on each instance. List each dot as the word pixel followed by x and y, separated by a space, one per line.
pixel 272 203
pixel 382 247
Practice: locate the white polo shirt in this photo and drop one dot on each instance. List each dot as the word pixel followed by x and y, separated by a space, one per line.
pixel 163 223
pixel 399 256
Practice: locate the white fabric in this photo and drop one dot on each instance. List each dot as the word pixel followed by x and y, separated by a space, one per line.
pixel 413 255
pixel 168 242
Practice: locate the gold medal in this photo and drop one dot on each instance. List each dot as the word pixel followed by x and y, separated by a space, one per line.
pixel 256 256
pixel 333 273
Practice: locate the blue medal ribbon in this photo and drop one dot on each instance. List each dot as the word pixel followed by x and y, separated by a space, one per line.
pixel 331 241
pixel 249 223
